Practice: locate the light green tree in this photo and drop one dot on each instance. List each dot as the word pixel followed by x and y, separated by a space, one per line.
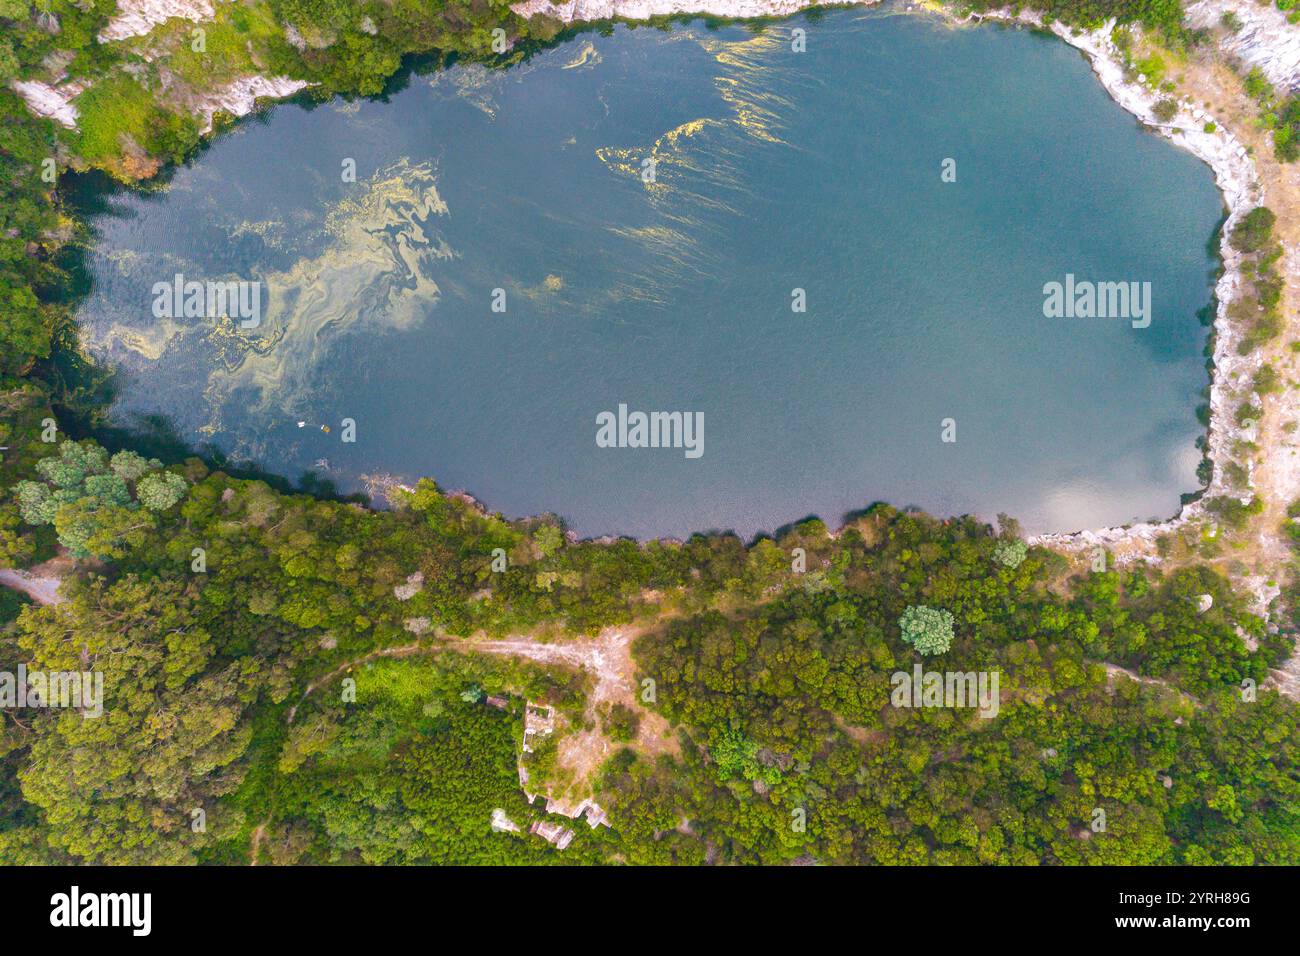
pixel 1010 554
pixel 927 629
pixel 160 490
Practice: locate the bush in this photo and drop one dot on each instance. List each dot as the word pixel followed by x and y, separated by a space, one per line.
pixel 1165 110
pixel 1253 230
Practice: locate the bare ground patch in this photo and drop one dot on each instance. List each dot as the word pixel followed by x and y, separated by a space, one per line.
pixel 608 658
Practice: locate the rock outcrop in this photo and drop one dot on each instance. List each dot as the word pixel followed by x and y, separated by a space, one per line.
pixel 135 18
pixel 1266 38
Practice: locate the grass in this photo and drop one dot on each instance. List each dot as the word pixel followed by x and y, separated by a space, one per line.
pixel 119 107
pixel 226 40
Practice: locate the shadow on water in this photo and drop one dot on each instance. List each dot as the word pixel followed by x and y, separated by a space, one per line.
pixel 82 389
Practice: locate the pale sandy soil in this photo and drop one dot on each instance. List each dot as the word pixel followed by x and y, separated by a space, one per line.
pixel 40 582
pixel 1205 82
pixel 137 17
pixel 1241 155
pixel 255 843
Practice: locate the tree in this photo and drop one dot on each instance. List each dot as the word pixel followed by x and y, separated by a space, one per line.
pixel 1010 554
pixel 88 497
pixel 548 539
pixel 927 629
pixel 122 787
pixel 25 330
pixel 9 65
pixel 160 491
pixel 620 722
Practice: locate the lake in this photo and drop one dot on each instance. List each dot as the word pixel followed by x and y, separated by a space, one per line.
pixel 832 260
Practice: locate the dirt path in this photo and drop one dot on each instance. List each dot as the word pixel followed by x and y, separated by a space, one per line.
pixel 1276 471
pixel 1115 670
pixel 1258 557
pixel 255 843
pixel 41 582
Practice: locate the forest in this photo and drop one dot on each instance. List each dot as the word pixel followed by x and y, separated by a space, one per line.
pixel 293 678
pixel 781 743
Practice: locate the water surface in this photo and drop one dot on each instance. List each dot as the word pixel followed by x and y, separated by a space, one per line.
pixel 774 170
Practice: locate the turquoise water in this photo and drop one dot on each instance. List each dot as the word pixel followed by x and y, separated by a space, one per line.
pixel 773 171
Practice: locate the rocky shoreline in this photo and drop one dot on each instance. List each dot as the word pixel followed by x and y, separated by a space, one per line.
pixel 133 18
pixel 1238 182
pixel 1265 39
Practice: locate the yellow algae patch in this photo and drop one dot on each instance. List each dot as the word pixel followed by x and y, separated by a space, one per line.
pixel 667 152
pixel 123 260
pixel 395 196
pixel 476 84
pixel 675 245
pixel 754 112
pixel 270 231
pixel 744 87
pixel 373 276
pixel 548 287
pixel 148 343
pixel 588 56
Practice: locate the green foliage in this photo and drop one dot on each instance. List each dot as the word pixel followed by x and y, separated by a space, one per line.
pixel 927 629
pixel 1233 512
pixel 1010 553
pixel 783 702
pixel 119 113
pixel 736 757
pixel 412 772
pixel 14 9
pixel 776 683
pixel 161 490
pixel 1253 231
pixel 620 723
pixel 1266 380
pixel 1165 15
pixel 1153 68
pixel 794 712
pixel 1286 131
pixel 1257 85
pixel 120 788
pixel 27 219
pixel 1165 110
pixel 1259 310
pixel 88 500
